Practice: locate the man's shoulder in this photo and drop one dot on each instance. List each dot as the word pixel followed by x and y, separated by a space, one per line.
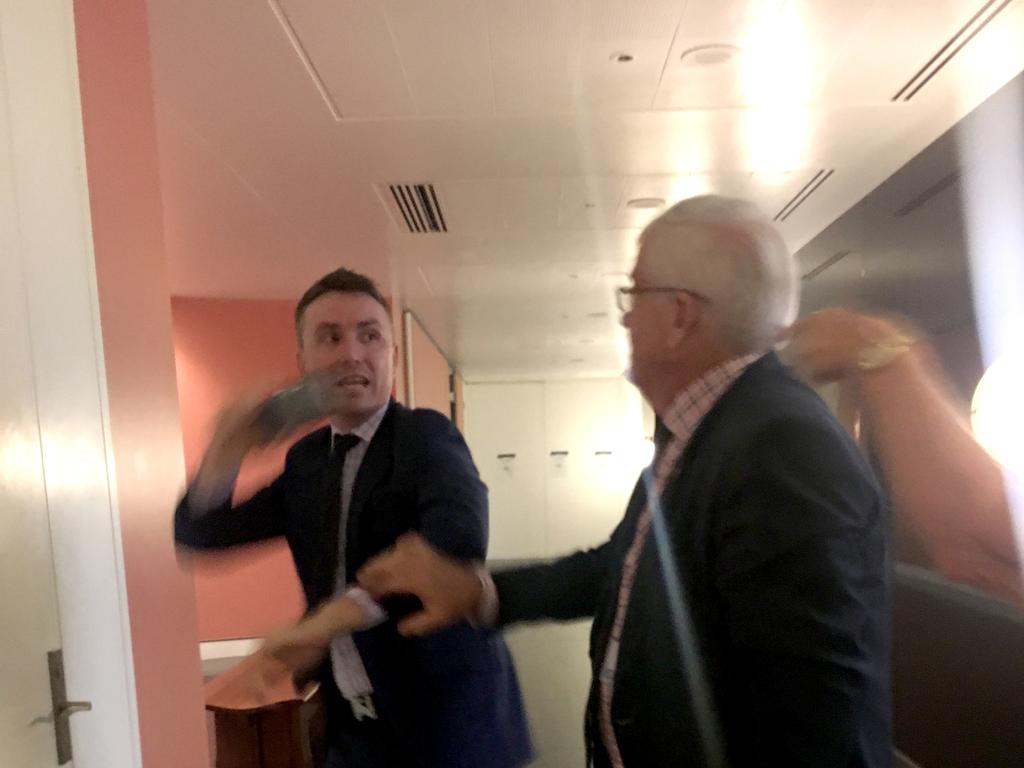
pixel 769 404
pixel 422 421
pixel 421 433
pixel 769 391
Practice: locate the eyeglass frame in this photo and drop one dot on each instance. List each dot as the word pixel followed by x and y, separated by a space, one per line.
pixel 633 290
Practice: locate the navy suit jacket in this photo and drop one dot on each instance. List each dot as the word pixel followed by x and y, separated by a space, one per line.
pixel 449 700
pixel 774 537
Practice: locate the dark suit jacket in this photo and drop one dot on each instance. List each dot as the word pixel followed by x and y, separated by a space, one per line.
pixel 774 536
pixel 451 699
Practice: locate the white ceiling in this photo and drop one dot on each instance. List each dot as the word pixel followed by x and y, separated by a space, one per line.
pixel 281 123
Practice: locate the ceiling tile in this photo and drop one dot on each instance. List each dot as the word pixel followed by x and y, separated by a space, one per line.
pixel 350 45
pixel 590 203
pixel 444 51
pixel 535 49
pixel 496 205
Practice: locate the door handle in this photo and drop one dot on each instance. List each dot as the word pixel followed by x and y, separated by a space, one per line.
pixel 68 708
pixel 62 708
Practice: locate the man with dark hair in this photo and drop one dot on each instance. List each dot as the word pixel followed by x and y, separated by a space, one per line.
pixel 340 280
pixel 347 492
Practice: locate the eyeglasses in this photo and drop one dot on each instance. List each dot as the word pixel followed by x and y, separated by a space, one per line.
pixel 625 297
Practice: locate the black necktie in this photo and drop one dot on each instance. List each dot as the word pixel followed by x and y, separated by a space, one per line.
pixel 340 446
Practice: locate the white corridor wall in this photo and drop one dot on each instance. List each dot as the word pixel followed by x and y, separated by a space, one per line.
pixel 560 459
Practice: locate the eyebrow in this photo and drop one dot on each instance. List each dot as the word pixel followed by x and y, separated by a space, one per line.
pixel 362 324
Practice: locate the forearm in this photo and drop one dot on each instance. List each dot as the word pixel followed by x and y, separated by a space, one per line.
pixel 564 589
pixel 938 475
pixel 306 641
pixel 341 615
pixel 214 482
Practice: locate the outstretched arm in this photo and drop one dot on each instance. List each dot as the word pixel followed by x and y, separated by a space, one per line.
pixel 940 479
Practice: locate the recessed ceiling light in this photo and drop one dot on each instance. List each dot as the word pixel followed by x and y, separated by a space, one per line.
pixel 646 202
pixel 622 58
pixel 709 55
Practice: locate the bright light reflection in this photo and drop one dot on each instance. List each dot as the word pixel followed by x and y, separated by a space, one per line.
pixel 20 463
pixel 997 412
pixel 991 145
pixel 776 82
pixel 692 185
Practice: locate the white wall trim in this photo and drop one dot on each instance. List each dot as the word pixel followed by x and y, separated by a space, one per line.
pixel 228 649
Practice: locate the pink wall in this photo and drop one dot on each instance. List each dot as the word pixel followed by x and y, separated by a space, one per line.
pixel 430 383
pixel 223 347
pixel 135 316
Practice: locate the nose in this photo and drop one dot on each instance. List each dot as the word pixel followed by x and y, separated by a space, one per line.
pixel 350 351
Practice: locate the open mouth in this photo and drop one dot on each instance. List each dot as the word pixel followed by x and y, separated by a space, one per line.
pixel 353 381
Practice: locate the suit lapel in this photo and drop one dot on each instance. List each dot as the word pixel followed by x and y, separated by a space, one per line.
pixel 376 464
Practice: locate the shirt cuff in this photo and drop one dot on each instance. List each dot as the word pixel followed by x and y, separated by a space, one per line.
pixel 373 614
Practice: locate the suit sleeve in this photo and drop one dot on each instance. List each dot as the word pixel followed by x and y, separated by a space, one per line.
pixel 567 588
pixel 451 499
pixel 801 568
pixel 261 517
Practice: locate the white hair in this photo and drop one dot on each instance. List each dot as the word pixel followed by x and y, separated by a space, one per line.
pixel 726 250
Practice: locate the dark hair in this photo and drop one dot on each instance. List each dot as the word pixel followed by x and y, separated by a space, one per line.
pixel 339 281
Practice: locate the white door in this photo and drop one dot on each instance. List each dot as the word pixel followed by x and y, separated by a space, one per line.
pixel 505 431
pixel 594 431
pixel 61 575
pixel 28 606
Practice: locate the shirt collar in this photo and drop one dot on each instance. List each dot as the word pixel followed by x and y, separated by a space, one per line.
pixel 368 428
pixel 698 397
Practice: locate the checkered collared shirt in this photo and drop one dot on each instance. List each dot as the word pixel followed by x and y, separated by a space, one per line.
pixel 682 417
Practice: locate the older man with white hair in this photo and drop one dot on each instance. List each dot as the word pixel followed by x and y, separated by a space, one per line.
pixel 741 607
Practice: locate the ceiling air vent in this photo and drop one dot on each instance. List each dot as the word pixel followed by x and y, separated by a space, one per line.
pixel 801 197
pixel 417 206
pixel 940 186
pixel 830 261
pixel 952 47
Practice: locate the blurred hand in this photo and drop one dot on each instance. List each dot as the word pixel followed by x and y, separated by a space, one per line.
pixel 257 680
pixel 237 430
pixel 299 648
pixel 827 344
pixel 449 589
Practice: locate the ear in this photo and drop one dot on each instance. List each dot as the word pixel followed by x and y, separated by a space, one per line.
pixel 685 320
